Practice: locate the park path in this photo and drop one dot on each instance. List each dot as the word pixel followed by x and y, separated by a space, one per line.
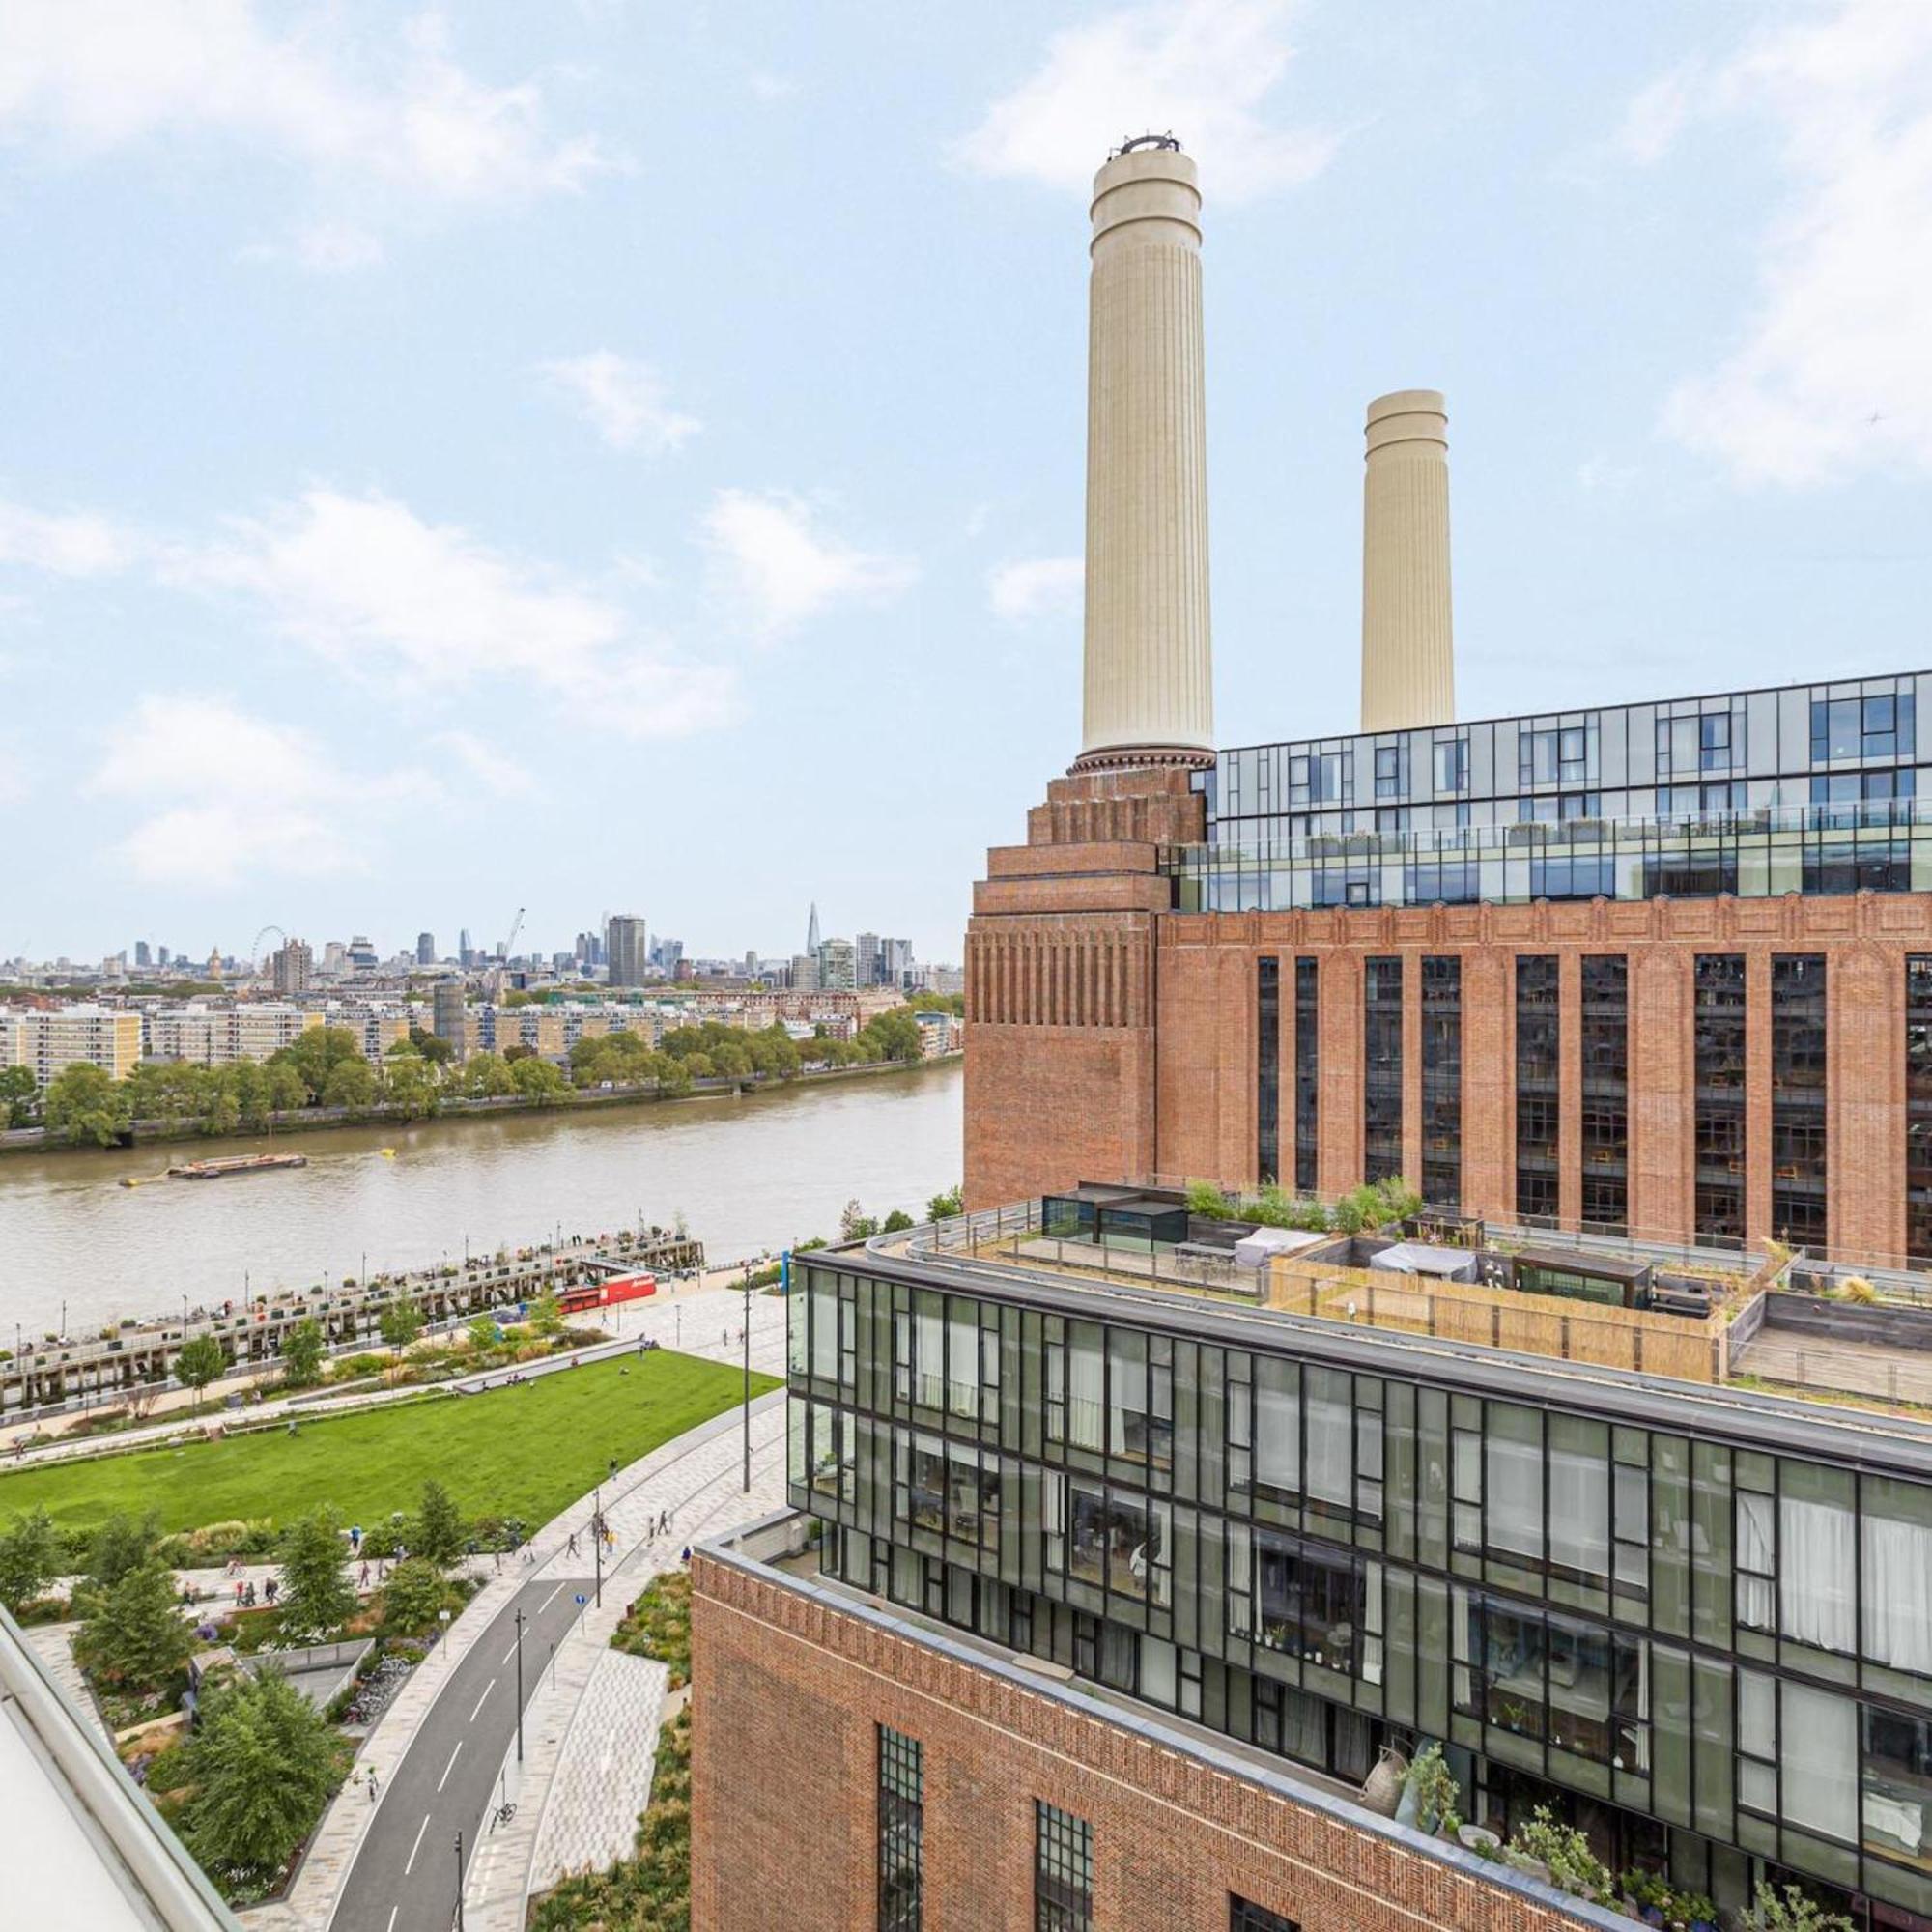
pixel 674 1475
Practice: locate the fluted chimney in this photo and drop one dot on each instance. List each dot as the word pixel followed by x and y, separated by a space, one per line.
pixel 1148 696
pixel 1408 657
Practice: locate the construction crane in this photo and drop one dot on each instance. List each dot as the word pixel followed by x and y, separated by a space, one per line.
pixel 516 926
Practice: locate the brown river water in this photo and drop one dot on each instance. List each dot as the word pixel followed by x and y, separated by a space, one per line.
pixel 748 1175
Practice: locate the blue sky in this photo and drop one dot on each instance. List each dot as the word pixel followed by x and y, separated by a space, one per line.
pixel 610 456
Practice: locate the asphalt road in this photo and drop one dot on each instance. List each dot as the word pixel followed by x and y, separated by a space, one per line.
pixel 404 1877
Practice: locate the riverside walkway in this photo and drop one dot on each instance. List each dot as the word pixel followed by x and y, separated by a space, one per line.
pixel 444 1750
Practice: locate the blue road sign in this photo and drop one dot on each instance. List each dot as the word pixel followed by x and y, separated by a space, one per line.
pixel 581 1600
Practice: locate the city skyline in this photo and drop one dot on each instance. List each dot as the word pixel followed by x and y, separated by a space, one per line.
pixel 331 380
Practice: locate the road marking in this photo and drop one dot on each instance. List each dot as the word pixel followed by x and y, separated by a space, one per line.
pixel 548 1600
pixel 446 1770
pixel 394 1908
pixel 487 1688
pixel 417 1846
pixel 510 1653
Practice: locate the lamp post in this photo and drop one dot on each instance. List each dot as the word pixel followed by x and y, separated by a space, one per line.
pixel 748 1377
pixel 520 1687
pixel 458 1881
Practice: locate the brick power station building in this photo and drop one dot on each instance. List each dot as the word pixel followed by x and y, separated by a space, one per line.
pixel 1128 1559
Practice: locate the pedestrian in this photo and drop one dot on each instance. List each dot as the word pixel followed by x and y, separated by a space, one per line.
pixel 372 1784
pixel 270 1588
pixel 499 1562
pixel 687 1552
pixel 724 1338
pixel 363 1582
pixel 613 1468
pixel 571 1547
pixel 237 1596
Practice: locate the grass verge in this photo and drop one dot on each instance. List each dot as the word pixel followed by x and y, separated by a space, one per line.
pixel 526 1451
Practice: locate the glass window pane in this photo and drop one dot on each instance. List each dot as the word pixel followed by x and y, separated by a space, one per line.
pixel 1819 1760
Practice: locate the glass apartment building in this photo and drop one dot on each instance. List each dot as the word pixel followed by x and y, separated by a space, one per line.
pixel 1696 1620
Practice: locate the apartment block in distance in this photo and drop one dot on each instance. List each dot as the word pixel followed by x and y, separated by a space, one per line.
pixel 1132 1550
pixel 51 1042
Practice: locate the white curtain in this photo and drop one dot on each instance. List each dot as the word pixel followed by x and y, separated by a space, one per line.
pixel 1820 1761
pixel 1898 1593
pixel 825 1330
pixel 1513 1477
pixel 1329 1471
pixel 929 1356
pixel 962 1364
pixel 1816 1574
pixel 1086 1390
pixel 1277 1430
pixel 1754 1555
pixel 1579 1512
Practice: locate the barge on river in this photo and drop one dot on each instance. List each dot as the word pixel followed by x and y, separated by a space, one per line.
pixel 235 1163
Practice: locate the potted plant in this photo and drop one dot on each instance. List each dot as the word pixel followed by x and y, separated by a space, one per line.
pixel 1435 1791
pixel 1565 1852
pixel 1697 1912
pixel 1791 1911
pixel 1646 1895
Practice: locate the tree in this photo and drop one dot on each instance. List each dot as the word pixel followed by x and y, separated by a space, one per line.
pixel 136 1638
pixel 547 1315
pixel 199 1362
pixel 19 1097
pixel 351 1083
pixel 302 1353
pixel 415 1594
pixel 433 1047
pixel 484 1334
pixel 29 1558
pixel 519 1051
pixel 119 1546
pixel 410 1084
pixel 896 1221
pixel 487 1077
pixel 317 1056
pixel 438 1533
pixel 537 1080
pixel 261 1766
pixel 317 1595
pixel 945 1207
pixel 84 1104
pixel 401 1323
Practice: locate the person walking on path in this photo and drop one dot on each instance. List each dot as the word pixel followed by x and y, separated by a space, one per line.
pixel 372 1784
pixel 363 1582
pixel 571 1547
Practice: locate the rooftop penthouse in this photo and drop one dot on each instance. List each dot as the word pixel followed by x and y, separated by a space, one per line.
pixel 1641 1536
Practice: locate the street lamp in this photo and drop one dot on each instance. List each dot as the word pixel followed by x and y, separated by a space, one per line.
pixel 748 1379
pixel 458 1881
pixel 519 1686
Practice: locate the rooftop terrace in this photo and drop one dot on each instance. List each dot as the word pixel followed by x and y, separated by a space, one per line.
pixel 1625 1326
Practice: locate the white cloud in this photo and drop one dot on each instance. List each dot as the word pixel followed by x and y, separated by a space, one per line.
pixel 1660 112
pixel 1041 587
pixel 1831 376
pixel 368 585
pixel 771 86
pixel 488 764
pixel 224 795
pixel 1603 474
pixel 624 401
pixel 67 544
pixel 777 568
pixel 323 248
pixel 91 75
pixel 1203 69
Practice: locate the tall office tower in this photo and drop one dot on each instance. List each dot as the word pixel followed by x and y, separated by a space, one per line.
pixel 670 955
pixel 866 959
pixel 142 954
pixel 166 957
pixel 449 1016
pixel 751 965
pixel 1148 687
pixel 466 953
pixel 812 931
pixel 425 949
pixel 836 966
pixel 626 949
pixel 805 972
pixel 1409 663
pixel 898 963
pixel 292 966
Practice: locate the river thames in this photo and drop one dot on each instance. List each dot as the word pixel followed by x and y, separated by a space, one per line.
pixel 748 1174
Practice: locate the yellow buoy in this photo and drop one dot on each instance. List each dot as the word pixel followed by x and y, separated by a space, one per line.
pixel 389 1154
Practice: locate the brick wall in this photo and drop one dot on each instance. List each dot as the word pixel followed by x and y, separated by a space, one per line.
pixel 787 1691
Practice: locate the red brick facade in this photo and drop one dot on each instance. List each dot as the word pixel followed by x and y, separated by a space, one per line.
pixel 1158 1076
pixel 788 1692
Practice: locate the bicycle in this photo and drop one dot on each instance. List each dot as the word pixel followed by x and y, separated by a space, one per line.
pixel 503 1813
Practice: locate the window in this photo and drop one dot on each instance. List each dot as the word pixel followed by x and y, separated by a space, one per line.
pixel 1308 1070
pixel 1896 1787
pixel 1895 1557
pixel 1062 1885
pixel 1719 1031
pixel 1321 1606
pixel 1245 1916
pixel 1382 1078
pixel 1118 1541
pixel 902 1830
pixel 1513 1482
pixel 1606 1113
pixel 1451 764
pixel 1875 726
pixel 1267 1069
pixel 1443 1080
pixel 1798 1098
pixel 1388 771
pixel 1757 1560
pixel 1713 742
pixel 947 1489
pixel 1538 1037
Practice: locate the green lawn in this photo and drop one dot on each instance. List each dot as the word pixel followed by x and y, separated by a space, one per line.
pixel 527 1452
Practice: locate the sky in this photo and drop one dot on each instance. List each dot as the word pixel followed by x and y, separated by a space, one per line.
pixel 612 456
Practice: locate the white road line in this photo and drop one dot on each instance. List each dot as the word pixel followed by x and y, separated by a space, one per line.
pixel 446 1770
pixel 548 1600
pixel 487 1688
pixel 394 1908
pixel 417 1846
